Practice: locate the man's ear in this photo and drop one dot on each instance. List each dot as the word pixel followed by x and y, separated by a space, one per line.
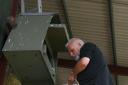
pixel 79 44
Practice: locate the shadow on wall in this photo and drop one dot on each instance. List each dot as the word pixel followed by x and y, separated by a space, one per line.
pixel 62 75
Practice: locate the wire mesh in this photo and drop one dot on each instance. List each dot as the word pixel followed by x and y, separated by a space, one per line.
pixel 31 6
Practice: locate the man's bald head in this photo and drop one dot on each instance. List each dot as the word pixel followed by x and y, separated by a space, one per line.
pixel 73 46
pixel 76 41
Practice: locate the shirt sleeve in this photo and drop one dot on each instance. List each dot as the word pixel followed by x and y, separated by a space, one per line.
pixel 87 50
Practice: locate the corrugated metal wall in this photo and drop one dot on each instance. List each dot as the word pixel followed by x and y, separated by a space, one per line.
pixel 120 16
pixel 54 6
pixel 122 80
pixel 121 31
pixel 89 20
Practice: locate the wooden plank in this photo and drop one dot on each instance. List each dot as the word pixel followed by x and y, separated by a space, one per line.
pixel 115 70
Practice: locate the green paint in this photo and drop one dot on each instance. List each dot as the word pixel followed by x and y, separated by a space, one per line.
pixel 5 11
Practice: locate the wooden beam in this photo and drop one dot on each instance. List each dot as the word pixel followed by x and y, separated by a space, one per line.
pixel 3 64
pixel 14 8
pixel 115 70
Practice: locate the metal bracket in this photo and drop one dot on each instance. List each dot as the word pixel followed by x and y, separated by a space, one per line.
pixel 23 11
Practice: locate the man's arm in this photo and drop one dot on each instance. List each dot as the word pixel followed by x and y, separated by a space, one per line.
pixel 80 65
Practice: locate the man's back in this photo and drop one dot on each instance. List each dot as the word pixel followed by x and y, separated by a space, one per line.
pixel 96 73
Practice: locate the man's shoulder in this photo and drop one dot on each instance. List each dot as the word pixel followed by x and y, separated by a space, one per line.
pixel 89 44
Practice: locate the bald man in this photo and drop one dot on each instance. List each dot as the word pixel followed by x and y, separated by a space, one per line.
pixel 90 69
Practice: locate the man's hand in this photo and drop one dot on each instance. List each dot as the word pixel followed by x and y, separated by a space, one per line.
pixel 71 78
